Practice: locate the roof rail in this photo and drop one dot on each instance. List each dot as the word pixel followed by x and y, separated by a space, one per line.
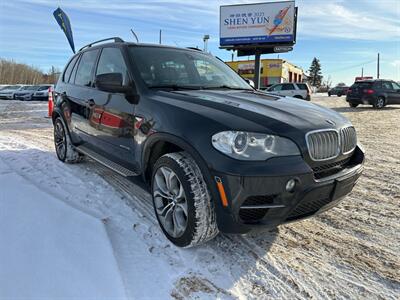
pixel 115 38
pixel 194 48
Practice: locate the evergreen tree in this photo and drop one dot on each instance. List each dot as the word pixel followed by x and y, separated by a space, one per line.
pixel 315 73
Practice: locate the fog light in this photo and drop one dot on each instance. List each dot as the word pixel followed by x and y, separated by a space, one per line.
pixel 290 185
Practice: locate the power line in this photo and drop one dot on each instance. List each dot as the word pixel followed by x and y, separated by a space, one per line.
pixel 351 67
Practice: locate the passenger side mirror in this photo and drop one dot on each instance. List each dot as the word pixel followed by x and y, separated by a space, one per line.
pixel 113 83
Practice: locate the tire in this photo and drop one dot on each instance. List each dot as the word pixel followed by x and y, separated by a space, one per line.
pixel 186 190
pixel 353 104
pixel 379 103
pixel 298 97
pixel 62 142
pixel 329 94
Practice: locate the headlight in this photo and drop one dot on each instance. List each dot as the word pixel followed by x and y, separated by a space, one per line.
pixel 253 146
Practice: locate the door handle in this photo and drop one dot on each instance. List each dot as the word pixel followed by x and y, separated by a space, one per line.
pixel 90 103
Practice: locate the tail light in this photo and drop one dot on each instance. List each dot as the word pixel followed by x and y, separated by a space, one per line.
pixel 349 91
pixel 368 91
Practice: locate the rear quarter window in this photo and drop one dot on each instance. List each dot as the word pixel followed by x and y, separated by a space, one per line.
pixel 302 86
pixel 69 68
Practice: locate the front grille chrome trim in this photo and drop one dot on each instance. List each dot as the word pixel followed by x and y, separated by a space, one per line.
pixel 348 137
pixel 323 147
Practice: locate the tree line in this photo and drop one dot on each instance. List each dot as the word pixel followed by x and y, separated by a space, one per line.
pixel 12 72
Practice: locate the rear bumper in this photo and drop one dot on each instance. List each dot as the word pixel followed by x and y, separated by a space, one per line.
pixel 370 99
pixel 258 203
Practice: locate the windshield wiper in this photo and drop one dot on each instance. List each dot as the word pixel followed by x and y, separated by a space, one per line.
pixel 175 87
pixel 225 87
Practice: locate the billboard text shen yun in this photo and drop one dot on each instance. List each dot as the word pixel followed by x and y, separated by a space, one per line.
pixel 261 23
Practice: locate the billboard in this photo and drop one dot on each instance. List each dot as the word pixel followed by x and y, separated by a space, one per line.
pixel 260 23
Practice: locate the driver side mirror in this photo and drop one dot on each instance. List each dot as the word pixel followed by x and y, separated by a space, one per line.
pixel 113 83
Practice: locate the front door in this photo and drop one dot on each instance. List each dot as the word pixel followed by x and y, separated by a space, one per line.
pixel 112 116
pixel 395 93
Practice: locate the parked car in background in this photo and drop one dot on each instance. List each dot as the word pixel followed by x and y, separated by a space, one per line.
pixel 377 92
pixel 296 90
pixel 25 93
pixel 42 93
pixel 4 86
pixel 338 91
pixel 8 93
pixel 217 154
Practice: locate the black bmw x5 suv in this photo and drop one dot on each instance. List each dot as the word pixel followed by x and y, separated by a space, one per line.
pixel 217 155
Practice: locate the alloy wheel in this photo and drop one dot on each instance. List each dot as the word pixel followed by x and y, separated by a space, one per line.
pixel 170 202
pixel 60 140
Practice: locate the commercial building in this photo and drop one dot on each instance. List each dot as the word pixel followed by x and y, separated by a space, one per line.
pixel 272 71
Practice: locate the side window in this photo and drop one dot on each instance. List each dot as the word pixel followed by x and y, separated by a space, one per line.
pixel 42 88
pixel 84 71
pixel 68 70
pixel 302 87
pixel 112 61
pixel 396 86
pixel 287 87
pixel 387 85
pixel 277 87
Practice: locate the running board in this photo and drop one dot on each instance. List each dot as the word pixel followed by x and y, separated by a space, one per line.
pixel 105 161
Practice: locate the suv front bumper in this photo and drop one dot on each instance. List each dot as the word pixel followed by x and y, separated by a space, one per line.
pixel 263 202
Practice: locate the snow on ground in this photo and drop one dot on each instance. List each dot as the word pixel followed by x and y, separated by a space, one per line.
pixel 349 251
pixel 51 250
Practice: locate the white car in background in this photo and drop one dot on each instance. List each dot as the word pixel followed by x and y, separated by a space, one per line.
pixel 291 89
pixel 26 92
pixel 42 93
pixel 8 93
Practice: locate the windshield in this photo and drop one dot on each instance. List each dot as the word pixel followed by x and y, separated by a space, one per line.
pixel 175 68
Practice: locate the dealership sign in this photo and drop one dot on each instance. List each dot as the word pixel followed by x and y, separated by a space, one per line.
pixel 261 23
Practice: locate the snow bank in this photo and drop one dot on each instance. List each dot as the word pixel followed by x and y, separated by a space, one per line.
pixel 50 250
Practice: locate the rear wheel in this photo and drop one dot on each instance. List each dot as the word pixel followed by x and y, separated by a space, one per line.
pixel 380 103
pixel 353 104
pixel 64 149
pixel 298 97
pixel 181 200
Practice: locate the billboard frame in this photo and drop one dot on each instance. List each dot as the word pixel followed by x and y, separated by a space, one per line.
pixel 257 49
pixel 263 46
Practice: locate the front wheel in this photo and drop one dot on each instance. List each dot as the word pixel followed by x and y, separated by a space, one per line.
pixel 353 104
pixel 182 201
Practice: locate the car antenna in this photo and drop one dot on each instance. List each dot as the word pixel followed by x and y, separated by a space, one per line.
pixel 134 34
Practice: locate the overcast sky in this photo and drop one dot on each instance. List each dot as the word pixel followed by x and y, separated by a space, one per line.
pixel 344 35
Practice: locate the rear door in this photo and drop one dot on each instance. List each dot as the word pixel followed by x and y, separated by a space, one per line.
pixel 112 116
pixel 80 93
pixel 288 89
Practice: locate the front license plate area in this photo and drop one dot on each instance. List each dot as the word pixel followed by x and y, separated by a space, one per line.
pixel 343 187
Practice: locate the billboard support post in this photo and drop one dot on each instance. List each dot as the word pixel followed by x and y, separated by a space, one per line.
pixel 257 69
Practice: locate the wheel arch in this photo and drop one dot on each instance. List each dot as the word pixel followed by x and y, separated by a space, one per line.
pixel 159 144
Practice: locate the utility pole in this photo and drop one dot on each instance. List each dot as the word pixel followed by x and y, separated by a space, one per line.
pixel 160 36
pixel 257 68
pixel 233 55
pixel 377 71
pixel 362 72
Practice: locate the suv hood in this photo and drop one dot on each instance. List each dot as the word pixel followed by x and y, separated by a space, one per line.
pixel 267 109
